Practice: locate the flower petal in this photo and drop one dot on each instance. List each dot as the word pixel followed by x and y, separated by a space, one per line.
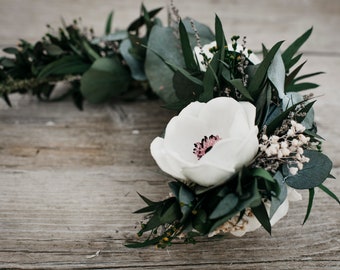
pixel 207 174
pixel 165 161
pixel 250 111
pixel 219 114
pixel 181 133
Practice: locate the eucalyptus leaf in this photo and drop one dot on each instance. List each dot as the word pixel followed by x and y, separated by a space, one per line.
pixel 136 66
pixel 277 74
pixel 158 72
pixel 225 206
pixel 105 79
pixel 313 174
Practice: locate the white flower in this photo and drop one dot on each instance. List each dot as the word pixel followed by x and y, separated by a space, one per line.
pixel 207 143
pixel 206 50
pixel 250 222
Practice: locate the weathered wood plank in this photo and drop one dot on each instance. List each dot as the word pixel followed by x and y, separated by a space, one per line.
pixel 69 178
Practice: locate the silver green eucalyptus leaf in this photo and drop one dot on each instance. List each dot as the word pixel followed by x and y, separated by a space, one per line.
pixel 277 73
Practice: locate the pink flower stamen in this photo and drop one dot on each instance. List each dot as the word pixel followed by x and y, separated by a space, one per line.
pixel 205 145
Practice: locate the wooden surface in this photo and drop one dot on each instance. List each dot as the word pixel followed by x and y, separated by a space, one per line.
pixel 69 178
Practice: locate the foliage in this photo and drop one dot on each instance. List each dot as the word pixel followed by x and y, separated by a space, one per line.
pixel 271 86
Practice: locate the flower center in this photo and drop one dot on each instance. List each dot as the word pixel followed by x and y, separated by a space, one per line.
pixel 205 145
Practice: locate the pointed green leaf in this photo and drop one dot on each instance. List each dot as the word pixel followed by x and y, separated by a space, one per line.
pixel 108 23
pixel 70 64
pixel 186 48
pixel 301 87
pixel 310 204
pixel 308 76
pixel 237 83
pixel 293 74
pixel 261 214
pixel 219 34
pixel 329 193
pixel 261 72
pixel 288 54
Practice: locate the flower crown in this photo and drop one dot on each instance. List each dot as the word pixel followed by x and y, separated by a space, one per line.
pixel 244 140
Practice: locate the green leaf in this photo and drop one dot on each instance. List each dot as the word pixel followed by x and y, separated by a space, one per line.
pixel 329 193
pixel 261 72
pixel 186 198
pixel 157 71
pixel 136 66
pixel 188 55
pixel 226 205
pixel 301 87
pixel 310 204
pixel 313 174
pixel 237 83
pixel 292 75
pixel 108 23
pixel 11 50
pixel 141 20
pixel 308 76
pixel 262 173
pixel 219 34
pixel 93 55
pixel 70 64
pixel 146 243
pixel 199 221
pixel 276 201
pixel 105 79
pixel 210 79
pixel 53 50
pixel 288 54
pixel 261 214
pixel 186 86
pixel 277 74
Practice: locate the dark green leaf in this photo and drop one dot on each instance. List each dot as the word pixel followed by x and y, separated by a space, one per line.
pixel 186 86
pixel 226 205
pixel 292 75
pixel 186 198
pixel 261 72
pixel 105 79
pixel 276 201
pixel 108 23
pixel 219 34
pixel 308 76
pixel 210 79
pixel 288 54
pixel 53 50
pixel 200 221
pixel 141 20
pixel 146 243
pixel 261 214
pixel 11 50
pixel 187 51
pixel 262 173
pixel 301 87
pixel 310 204
pixel 329 193
pixel 313 174
pixel 70 64
pixel 237 83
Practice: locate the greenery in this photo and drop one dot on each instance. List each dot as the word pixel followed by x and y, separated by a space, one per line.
pixel 195 211
pixel 130 63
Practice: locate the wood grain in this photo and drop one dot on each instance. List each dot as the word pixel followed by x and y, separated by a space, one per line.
pixel 69 179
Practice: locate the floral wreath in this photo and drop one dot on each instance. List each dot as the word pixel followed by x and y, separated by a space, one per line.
pixel 243 142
